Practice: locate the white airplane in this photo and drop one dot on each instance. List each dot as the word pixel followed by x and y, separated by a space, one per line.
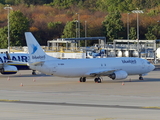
pixel 11 63
pixel 115 68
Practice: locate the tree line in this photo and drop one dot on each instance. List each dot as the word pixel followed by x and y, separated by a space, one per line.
pixel 48 19
pixel 105 5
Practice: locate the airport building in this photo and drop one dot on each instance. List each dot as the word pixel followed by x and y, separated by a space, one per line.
pixel 68 48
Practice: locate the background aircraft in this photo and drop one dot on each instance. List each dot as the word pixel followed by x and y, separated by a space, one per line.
pixel 11 63
pixel 115 68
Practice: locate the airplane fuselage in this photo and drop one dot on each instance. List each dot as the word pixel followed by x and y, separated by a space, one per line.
pixel 21 59
pixel 80 67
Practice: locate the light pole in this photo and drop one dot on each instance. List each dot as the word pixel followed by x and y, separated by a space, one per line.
pixel 8 9
pixel 137 11
pixel 85 33
pixel 78 28
pixel 76 21
pixel 128 26
pixel 78 25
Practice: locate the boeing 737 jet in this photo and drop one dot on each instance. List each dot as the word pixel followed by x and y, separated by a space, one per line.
pixel 115 68
pixel 11 63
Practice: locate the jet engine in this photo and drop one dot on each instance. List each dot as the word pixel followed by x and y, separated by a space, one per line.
pixel 9 70
pixel 118 75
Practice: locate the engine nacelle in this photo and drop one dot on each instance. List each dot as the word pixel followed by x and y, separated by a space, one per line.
pixel 118 75
pixel 9 69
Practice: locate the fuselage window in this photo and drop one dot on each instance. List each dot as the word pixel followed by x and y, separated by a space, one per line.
pixel 103 65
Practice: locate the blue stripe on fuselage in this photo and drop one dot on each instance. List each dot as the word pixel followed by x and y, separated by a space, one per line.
pixel 14 57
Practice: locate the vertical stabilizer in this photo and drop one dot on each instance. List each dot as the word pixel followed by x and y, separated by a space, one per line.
pixel 36 53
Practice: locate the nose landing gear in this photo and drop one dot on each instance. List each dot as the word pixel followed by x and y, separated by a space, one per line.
pixel 140 77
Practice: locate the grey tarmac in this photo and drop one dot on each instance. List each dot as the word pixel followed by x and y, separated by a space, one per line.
pixel 44 97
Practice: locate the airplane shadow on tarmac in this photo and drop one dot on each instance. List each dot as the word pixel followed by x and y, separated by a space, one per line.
pixel 24 75
pixel 145 80
pixel 105 79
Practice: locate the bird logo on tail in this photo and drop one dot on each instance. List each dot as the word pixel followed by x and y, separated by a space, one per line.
pixel 34 47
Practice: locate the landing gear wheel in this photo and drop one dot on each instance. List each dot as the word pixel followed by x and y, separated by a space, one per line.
pixel 98 80
pixel 140 78
pixel 33 72
pixel 82 79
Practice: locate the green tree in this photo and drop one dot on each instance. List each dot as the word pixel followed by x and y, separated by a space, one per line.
pixel 2 1
pixel 113 25
pixel 88 4
pixel 118 5
pixel 55 29
pixel 54 25
pixel 18 25
pixel 69 30
pixel 3 38
pixel 132 34
pixel 28 2
pixel 11 2
pixel 36 2
pixel 145 4
pixel 153 32
pixel 62 3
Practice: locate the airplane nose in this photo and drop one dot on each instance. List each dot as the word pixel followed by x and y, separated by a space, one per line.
pixel 152 67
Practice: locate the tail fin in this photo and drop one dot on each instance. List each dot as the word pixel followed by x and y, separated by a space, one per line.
pixel 35 51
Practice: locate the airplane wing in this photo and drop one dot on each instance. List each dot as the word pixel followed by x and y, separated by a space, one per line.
pixel 102 72
pixel 37 63
pixel 12 62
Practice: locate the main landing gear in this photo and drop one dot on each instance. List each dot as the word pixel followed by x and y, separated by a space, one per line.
pixel 33 72
pixel 98 80
pixel 140 77
pixel 82 79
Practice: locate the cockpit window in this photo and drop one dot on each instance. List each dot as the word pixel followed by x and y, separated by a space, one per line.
pixel 148 62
